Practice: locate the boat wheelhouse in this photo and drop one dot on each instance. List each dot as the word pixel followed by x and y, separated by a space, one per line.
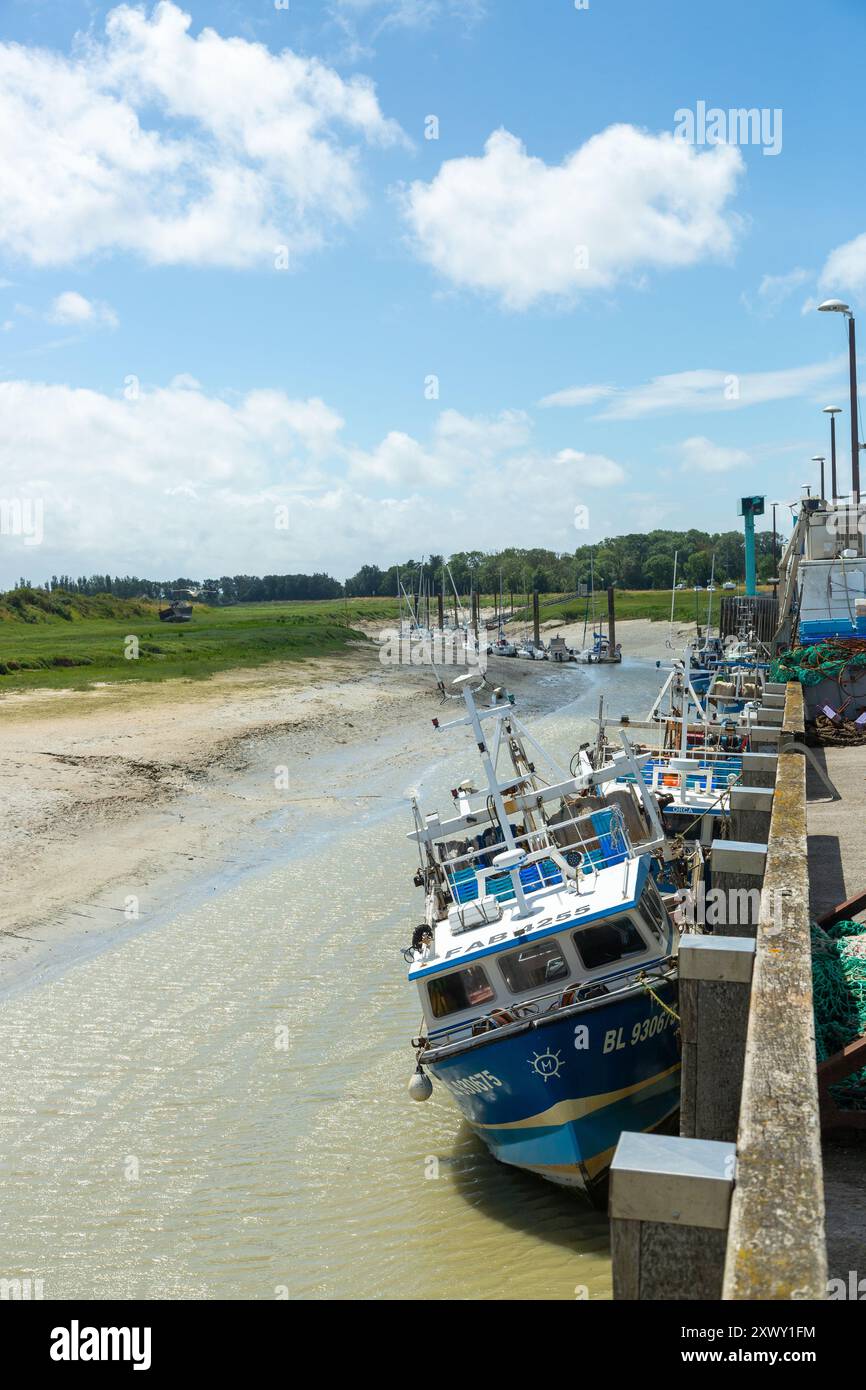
pixel 545 964
pixel 693 755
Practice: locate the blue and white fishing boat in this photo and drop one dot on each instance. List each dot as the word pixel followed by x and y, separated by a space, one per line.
pixel 695 757
pixel 545 963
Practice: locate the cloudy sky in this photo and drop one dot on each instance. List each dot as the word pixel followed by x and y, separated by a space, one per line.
pixel 418 274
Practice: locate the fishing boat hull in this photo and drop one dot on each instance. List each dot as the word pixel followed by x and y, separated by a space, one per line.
pixel 554 1095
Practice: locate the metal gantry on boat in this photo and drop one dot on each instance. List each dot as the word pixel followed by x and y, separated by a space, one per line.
pixel 545 963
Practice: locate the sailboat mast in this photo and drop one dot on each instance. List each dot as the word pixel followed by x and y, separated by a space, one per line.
pixel 673 599
pixel 710 597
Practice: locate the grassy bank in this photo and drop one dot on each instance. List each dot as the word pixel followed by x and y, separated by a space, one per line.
pixel 72 640
pixel 654 604
pixel 88 640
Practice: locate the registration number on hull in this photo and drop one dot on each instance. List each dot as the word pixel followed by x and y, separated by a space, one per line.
pixel 616 1039
pixel 476 1084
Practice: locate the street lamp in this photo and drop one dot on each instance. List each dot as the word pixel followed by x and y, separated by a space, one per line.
pixel 819 458
pixel 836 306
pixel 774 505
pixel 832 411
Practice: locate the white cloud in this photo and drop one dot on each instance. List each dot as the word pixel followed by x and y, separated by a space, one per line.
pixel 702 391
pixel 182 150
pixel 399 459
pixel 591 470
pixel 511 225
pixel 845 267
pixel 578 395
pixel 72 308
pixel 461 448
pixel 178 481
pixel 774 290
pixel 410 13
pixel 375 16
pixel 701 455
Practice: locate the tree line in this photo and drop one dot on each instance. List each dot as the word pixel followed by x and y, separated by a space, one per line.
pixel 238 588
pixel 637 561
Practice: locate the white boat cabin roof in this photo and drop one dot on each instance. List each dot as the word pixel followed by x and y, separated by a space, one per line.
pixel 465 936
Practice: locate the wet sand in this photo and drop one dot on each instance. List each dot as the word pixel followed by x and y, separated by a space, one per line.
pixel 122 799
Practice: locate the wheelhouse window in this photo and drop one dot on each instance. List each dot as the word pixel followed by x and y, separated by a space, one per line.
pixel 533 966
pixel 463 989
pixel 608 942
pixel 654 910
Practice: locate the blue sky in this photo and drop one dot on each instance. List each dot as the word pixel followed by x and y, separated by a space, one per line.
pixel 617 320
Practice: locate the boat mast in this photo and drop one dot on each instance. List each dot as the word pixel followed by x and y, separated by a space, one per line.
pixel 710 599
pixel 673 600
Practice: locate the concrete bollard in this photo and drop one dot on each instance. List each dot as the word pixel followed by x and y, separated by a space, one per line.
pixel 670 1202
pixel 759 769
pixel 737 869
pixel 715 974
pixel 770 715
pixel 764 737
pixel 751 808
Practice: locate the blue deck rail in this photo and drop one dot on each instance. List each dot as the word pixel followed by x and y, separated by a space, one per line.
pixel 612 848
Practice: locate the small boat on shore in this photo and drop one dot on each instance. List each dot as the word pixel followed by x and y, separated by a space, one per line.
pixel 545 962
pixel 530 652
pixel 558 650
pixel 177 611
pixel 601 653
pixel 503 647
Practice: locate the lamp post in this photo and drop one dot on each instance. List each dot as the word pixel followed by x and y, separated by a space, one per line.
pixel 836 306
pixel 819 458
pixel 833 411
pixel 774 505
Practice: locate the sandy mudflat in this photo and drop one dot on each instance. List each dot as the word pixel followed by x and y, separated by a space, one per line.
pixel 125 792
pixel 117 799
pixel 640 637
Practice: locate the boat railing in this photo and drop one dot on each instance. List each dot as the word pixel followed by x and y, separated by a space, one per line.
pixel 547 863
pixel 702 772
pixel 516 1012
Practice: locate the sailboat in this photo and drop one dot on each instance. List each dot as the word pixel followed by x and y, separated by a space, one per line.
pixel 602 651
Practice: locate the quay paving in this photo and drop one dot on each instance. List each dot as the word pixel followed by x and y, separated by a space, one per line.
pixel 837 871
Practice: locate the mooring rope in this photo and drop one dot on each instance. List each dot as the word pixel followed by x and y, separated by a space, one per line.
pixel 645 985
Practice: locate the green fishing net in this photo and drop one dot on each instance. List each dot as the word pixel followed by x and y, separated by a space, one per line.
pixel 839 998
pixel 809 665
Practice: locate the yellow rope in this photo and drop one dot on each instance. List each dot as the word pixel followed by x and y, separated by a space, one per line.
pixel 661 1003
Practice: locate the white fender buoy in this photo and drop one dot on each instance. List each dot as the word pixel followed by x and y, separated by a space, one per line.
pixel 420 1085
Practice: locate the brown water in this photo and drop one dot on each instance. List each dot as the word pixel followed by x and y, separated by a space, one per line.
pixel 216 1107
